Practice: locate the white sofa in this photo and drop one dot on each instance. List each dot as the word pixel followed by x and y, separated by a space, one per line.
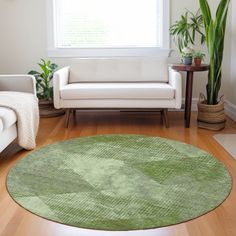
pixel 117 83
pixel 8 119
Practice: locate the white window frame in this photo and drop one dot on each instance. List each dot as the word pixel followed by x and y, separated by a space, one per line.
pixel 55 52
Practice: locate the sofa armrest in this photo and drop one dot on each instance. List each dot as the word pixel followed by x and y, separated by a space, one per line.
pixel 60 79
pixel 175 80
pixel 18 83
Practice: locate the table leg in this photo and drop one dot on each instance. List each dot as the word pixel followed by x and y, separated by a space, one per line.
pixel 188 97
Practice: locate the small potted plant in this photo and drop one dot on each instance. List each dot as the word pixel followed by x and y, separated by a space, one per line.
pixel 45 89
pixel 187 56
pixel 198 57
pixel 185 30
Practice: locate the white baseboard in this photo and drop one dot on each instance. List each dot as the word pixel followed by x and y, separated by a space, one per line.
pixel 230 108
pixel 194 104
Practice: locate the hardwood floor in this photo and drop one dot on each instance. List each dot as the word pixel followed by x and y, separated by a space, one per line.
pixel 15 221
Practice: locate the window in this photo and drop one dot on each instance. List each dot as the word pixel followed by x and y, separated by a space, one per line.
pixel 108 27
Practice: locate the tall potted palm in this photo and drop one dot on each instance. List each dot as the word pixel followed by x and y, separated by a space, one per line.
pixel 211 109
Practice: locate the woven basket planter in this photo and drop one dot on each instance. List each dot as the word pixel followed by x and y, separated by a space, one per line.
pixel 47 110
pixel 211 117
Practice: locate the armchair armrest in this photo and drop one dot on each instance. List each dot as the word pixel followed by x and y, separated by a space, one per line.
pixel 175 80
pixel 18 83
pixel 60 79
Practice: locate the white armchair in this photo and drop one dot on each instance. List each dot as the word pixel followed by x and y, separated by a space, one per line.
pixel 8 119
pixel 118 83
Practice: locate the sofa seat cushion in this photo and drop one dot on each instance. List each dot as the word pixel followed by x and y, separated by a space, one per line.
pixel 7 118
pixel 117 91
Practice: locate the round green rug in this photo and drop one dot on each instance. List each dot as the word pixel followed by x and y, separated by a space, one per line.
pixel 119 182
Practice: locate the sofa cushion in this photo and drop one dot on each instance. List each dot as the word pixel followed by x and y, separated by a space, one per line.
pixel 153 69
pixel 117 91
pixel 7 117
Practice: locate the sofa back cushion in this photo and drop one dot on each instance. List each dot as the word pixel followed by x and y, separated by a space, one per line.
pixel 149 69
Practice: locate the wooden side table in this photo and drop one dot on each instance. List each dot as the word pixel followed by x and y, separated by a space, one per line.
pixel 190 69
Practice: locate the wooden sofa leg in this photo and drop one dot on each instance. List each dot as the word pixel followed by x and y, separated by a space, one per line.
pixel 166 118
pixel 74 116
pixel 162 117
pixel 68 112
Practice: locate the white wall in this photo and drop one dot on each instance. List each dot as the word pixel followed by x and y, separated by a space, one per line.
pixel 232 78
pixel 23 39
pixel 22 34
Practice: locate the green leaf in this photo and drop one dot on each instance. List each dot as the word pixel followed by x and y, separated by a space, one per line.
pixel 33 72
pixel 221 13
pixel 53 66
pixel 206 12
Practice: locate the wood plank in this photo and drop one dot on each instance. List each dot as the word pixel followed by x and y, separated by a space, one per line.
pixel 15 221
